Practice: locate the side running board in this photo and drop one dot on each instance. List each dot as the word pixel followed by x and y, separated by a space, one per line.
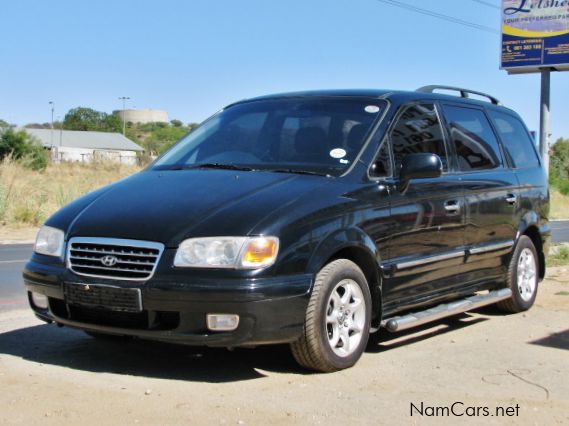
pixel 445 310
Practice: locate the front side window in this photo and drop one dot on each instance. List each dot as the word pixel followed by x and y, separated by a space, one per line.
pixel 518 145
pixel 316 135
pixel 474 141
pixel 418 130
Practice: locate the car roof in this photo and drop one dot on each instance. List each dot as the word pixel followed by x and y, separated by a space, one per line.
pixel 396 96
pixel 368 93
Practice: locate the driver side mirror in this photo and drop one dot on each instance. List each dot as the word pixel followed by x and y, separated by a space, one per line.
pixel 419 166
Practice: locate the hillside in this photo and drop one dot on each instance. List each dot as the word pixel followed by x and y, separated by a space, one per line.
pixel 155 138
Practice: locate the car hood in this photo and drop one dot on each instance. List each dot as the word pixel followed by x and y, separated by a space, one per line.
pixel 169 206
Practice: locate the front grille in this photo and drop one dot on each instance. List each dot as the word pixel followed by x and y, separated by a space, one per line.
pixel 113 258
pixel 106 297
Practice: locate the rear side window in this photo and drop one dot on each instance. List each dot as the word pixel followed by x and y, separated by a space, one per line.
pixel 418 130
pixel 475 143
pixel 517 142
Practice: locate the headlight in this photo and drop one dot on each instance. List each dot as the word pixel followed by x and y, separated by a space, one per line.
pixel 227 252
pixel 49 241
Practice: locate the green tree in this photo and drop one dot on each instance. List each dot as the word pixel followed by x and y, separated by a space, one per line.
pixel 112 123
pixel 559 165
pixel 82 119
pixel 21 146
pixel 176 123
pixel 89 119
pixel 4 124
pixel 559 159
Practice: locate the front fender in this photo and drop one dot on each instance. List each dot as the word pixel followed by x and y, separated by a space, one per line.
pixel 363 251
pixel 339 240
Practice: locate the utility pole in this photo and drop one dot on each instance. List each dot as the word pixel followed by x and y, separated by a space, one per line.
pixel 544 118
pixel 60 131
pixel 52 108
pixel 124 99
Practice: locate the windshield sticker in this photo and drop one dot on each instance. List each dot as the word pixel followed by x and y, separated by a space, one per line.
pixel 372 109
pixel 337 153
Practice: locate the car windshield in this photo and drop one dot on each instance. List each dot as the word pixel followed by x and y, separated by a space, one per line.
pixel 295 135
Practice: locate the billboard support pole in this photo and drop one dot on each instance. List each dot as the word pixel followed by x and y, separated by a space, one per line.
pixel 544 118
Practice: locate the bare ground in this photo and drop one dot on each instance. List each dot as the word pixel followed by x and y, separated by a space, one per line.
pixel 61 376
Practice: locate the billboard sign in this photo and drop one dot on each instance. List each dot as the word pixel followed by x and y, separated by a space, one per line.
pixel 535 35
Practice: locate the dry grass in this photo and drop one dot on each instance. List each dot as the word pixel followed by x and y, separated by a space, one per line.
pixel 28 198
pixel 558 256
pixel 559 205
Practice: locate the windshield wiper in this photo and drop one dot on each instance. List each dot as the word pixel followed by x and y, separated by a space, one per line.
pixel 299 172
pixel 210 166
pixel 242 168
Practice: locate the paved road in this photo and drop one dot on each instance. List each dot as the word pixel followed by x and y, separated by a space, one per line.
pixel 560 231
pixel 12 261
pixel 13 258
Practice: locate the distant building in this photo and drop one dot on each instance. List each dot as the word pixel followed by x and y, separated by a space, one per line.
pixel 71 145
pixel 143 115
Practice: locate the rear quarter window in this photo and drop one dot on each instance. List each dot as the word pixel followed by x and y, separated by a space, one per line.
pixel 517 142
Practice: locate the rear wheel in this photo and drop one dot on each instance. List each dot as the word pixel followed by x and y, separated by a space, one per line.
pixel 523 277
pixel 336 326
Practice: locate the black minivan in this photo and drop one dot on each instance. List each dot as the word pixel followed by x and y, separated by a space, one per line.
pixel 311 218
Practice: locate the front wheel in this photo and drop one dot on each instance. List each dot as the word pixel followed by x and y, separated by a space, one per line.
pixel 336 326
pixel 523 277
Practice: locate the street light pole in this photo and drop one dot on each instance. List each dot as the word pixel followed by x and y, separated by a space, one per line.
pixel 60 131
pixel 52 108
pixel 124 99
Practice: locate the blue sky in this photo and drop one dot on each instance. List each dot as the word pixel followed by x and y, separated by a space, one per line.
pixel 193 57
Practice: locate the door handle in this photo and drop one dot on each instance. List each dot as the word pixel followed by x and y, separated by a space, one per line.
pixel 452 206
pixel 511 199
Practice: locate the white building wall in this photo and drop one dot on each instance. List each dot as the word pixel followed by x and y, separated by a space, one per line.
pixel 86 155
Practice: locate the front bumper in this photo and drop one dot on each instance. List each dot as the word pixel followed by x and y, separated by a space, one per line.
pixel 271 310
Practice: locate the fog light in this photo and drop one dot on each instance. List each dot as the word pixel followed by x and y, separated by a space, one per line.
pixel 222 322
pixel 39 300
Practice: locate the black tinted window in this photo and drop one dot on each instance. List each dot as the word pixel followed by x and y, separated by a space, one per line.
pixel 418 130
pixel 475 143
pixel 517 142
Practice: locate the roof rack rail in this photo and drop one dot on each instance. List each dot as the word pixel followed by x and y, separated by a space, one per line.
pixel 463 92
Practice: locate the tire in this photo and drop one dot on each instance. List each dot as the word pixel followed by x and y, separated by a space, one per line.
pixel 523 277
pixel 336 326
